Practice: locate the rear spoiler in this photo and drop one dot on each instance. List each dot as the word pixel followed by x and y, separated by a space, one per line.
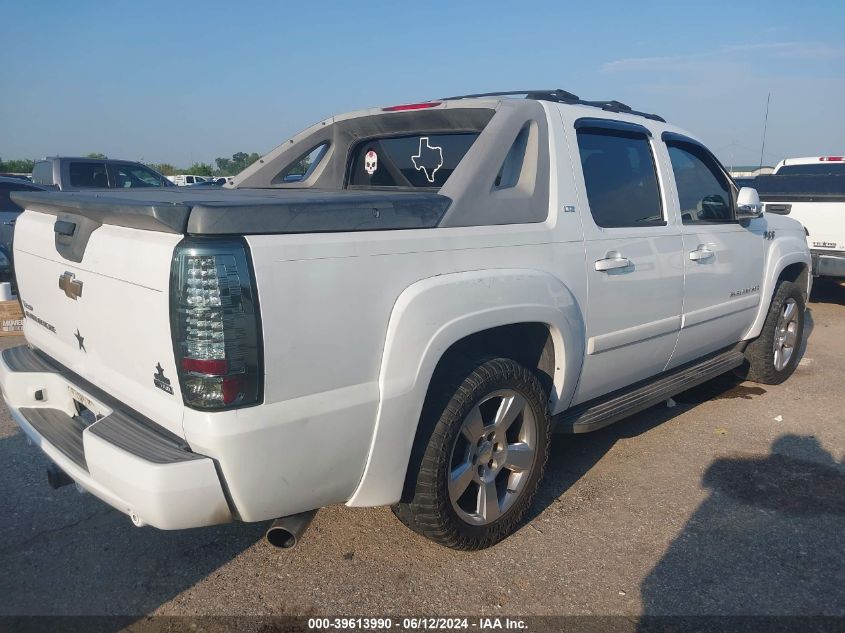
pixel 245 211
pixel 147 216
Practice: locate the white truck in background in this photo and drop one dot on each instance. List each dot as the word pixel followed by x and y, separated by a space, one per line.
pixel 811 166
pixel 182 180
pixel 406 323
pixel 812 191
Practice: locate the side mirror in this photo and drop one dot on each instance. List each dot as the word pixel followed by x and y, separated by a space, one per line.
pixel 748 204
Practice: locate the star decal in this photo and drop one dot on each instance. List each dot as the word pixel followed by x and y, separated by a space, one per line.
pixel 81 340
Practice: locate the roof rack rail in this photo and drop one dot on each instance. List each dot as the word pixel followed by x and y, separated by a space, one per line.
pixel 562 96
pixel 543 95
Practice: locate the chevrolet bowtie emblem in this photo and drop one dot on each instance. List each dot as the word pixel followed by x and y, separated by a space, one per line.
pixel 71 286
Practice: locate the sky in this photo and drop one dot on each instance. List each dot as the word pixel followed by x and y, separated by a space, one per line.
pixel 185 82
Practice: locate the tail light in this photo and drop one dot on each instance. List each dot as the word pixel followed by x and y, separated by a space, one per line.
pixel 215 324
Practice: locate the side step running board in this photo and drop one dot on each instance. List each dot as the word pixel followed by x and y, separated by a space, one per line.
pixel 598 413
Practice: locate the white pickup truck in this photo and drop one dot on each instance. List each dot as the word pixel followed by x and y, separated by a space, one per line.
pixel 405 323
pixel 812 191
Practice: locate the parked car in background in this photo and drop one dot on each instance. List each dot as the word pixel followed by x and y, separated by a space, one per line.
pixel 182 180
pixel 208 184
pixel 73 174
pixel 9 209
pixel 9 212
pixel 810 166
pixel 744 182
pixel 405 325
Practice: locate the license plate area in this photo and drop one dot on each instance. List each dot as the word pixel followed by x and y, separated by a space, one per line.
pixel 86 408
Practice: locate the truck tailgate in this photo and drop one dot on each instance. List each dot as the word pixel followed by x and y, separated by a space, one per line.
pixel 817 201
pixel 106 316
pixel 94 269
pixel 824 221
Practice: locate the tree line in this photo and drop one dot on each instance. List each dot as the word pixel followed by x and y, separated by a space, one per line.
pixel 223 166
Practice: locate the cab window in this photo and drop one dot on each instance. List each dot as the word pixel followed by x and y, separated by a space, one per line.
pixel 704 191
pixel 134 176
pixel 85 175
pixel 620 177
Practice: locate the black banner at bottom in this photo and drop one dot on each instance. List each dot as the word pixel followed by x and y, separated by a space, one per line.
pixel 401 624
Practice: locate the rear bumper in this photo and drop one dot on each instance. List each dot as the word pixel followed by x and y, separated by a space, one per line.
pixel 119 456
pixel 828 263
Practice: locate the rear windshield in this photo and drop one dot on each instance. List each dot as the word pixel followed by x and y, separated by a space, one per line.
pixel 828 167
pixel 420 161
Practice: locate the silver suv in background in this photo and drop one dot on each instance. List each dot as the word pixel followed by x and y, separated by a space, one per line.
pixel 72 173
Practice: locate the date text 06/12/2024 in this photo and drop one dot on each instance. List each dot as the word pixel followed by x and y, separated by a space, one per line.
pixel 417 624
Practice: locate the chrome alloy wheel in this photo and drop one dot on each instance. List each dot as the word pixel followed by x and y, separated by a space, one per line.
pixel 492 457
pixel 786 334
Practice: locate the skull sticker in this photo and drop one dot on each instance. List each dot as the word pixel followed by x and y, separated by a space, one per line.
pixel 371 162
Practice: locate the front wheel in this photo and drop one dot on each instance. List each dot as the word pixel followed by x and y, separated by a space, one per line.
pixel 773 356
pixel 485 456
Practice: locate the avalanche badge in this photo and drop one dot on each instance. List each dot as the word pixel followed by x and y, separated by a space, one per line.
pixel 161 381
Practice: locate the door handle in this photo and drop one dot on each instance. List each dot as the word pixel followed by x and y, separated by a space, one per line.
pixel 613 260
pixel 63 227
pixel 701 253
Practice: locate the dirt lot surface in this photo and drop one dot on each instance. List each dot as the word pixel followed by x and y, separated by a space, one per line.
pixel 731 502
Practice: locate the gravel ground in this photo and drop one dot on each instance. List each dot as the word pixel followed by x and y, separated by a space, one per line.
pixel 731 502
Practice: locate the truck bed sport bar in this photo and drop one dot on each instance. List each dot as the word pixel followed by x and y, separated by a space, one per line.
pixel 562 96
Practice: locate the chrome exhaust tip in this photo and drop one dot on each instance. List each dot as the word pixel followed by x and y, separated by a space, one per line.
pixel 287 531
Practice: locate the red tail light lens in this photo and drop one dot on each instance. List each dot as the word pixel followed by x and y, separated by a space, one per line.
pixel 205 366
pixel 215 324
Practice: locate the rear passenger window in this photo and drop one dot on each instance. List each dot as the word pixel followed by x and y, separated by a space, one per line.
pixel 88 175
pixel 703 189
pixel 620 177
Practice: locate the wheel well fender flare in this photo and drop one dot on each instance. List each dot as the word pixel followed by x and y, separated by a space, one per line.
pixel 427 319
pixel 778 263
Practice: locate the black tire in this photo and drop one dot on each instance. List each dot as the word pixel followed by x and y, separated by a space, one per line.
pixel 428 508
pixel 760 353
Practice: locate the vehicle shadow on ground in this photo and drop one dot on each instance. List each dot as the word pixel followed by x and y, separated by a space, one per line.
pixel 62 552
pixel 573 456
pixel 767 541
pixel 826 290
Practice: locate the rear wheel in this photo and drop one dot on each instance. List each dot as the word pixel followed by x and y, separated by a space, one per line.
pixel 773 356
pixel 485 456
